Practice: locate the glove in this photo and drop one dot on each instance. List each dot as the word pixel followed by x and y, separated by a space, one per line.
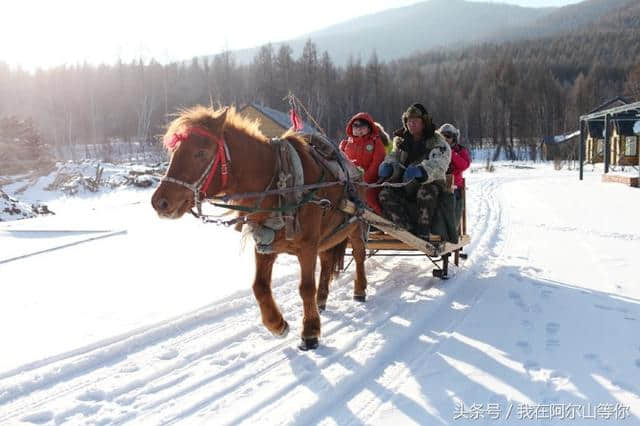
pixel 414 172
pixel 385 170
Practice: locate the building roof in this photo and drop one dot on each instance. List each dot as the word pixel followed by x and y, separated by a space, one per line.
pixel 561 138
pixel 625 125
pixel 614 102
pixel 283 119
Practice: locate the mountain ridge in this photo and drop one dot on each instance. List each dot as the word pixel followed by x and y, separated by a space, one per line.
pixel 441 24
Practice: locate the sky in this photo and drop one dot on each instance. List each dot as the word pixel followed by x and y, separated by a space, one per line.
pixel 44 33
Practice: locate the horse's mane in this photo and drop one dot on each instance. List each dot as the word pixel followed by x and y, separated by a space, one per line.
pixel 298 141
pixel 205 117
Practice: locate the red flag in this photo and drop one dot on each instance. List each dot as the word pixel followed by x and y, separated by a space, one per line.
pixel 296 123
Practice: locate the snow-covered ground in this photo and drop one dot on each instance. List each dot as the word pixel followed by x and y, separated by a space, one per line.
pixel 132 319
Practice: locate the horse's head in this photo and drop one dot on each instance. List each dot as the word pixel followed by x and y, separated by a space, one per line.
pixel 196 145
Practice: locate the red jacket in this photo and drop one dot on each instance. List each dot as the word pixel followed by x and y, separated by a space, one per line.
pixel 366 152
pixel 460 161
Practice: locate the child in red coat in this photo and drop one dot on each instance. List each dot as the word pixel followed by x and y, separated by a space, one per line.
pixel 460 161
pixel 364 147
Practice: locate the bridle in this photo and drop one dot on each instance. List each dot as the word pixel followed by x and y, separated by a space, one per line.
pixel 221 160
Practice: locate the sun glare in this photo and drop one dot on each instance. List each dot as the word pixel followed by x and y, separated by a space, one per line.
pixel 44 33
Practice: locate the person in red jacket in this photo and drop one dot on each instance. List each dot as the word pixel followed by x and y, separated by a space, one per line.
pixel 365 149
pixel 460 161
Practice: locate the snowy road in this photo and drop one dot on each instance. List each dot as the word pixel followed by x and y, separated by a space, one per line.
pixel 545 312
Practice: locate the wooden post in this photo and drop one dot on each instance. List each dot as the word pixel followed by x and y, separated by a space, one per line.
pixel 607 144
pixel 581 150
pixel 464 208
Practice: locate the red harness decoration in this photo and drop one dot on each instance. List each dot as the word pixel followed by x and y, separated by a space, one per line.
pixel 220 159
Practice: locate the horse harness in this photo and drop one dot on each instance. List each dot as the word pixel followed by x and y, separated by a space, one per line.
pixel 288 178
pixel 221 159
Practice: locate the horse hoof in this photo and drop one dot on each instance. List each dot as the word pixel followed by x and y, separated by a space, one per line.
pixel 359 297
pixel 282 333
pixel 307 344
pixel 322 307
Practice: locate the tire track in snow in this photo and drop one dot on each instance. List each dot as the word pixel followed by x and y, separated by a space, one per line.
pixel 67 367
pixel 56 371
pixel 275 358
pixel 486 236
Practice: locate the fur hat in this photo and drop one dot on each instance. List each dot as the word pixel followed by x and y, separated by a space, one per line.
pixel 417 110
pixel 450 128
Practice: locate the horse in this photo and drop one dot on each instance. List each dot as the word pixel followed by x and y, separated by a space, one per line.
pixel 219 152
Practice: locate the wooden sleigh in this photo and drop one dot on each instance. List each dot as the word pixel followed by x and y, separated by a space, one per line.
pixel 391 240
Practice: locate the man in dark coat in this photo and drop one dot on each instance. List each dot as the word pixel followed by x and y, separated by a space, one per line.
pixel 421 156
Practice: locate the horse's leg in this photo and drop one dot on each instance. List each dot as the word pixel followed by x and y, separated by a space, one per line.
pixel 326 273
pixel 311 319
pixel 271 316
pixel 359 254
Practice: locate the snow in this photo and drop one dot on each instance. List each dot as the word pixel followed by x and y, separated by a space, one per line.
pixel 12 209
pixel 133 319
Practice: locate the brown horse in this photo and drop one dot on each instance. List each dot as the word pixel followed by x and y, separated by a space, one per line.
pixel 219 152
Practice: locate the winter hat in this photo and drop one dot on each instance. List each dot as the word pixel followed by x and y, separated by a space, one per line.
pixel 360 123
pixel 417 110
pixel 449 128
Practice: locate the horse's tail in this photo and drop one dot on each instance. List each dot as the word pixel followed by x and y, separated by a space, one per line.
pixel 337 257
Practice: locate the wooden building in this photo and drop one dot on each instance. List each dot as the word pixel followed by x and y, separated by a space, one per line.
pixel 273 123
pixel 624 142
pixel 595 142
pixel 611 134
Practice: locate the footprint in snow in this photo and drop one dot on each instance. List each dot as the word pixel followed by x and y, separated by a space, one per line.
pixel 552 328
pixel 82 409
pixel 525 346
pixel 516 276
pixel 546 294
pixel 600 364
pixel 168 354
pixel 125 400
pixel 552 344
pixel 92 395
pixel 129 368
pixel 39 417
pixel 520 304
pixel 603 307
pixel 514 295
